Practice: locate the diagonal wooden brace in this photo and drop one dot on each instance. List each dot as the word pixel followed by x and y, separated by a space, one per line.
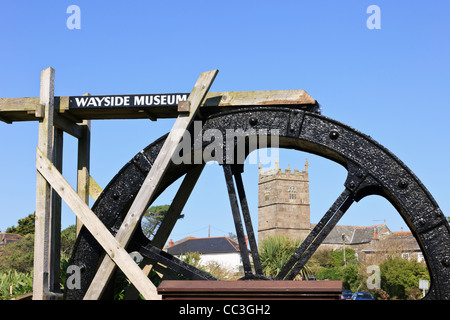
pixel 151 182
pixel 114 250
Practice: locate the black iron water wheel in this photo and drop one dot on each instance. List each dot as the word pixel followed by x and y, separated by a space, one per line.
pixel 372 170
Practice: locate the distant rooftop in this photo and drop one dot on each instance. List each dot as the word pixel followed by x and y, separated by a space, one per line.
pixel 355 234
pixel 9 238
pixel 203 245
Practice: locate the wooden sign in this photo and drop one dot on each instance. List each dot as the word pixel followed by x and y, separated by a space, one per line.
pixel 131 100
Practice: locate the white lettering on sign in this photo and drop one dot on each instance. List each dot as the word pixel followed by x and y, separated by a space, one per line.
pixel 127 100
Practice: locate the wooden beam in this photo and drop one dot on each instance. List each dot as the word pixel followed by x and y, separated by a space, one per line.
pixel 43 230
pixel 104 237
pixel 68 126
pixel 19 104
pixel 5 119
pixel 152 181
pixel 255 98
pixel 149 114
pixel 24 109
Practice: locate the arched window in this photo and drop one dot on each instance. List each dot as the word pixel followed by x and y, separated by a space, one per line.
pixel 266 195
pixel 292 193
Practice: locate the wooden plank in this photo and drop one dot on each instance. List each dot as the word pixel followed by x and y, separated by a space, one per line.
pixel 19 104
pixel 15 109
pixel 43 190
pixel 254 98
pixel 250 290
pixel 114 250
pixel 152 181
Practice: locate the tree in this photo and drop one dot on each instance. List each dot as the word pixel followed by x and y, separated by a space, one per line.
pixel 275 252
pixel 18 255
pixel 399 277
pixel 68 237
pixel 331 267
pixel 337 257
pixel 232 236
pixel 25 226
pixel 152 219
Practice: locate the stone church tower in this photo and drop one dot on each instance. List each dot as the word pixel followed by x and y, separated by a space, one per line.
pixel 283 203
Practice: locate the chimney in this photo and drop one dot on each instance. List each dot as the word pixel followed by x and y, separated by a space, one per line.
pixel 170 243
pixel 375 234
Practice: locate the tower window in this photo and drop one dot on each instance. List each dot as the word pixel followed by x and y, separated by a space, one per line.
pixel 292 193
pixel 266 195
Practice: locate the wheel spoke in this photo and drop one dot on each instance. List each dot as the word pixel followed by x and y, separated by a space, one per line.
pixel 237 220
pixel 247 219
pixel 175 264
pixel 316 236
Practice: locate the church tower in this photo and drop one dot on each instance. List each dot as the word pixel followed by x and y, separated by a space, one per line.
pixel 283 203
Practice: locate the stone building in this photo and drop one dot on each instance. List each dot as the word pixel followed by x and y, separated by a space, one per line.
pixel 283 203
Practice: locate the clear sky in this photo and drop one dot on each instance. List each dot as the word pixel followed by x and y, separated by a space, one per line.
pixel 391 83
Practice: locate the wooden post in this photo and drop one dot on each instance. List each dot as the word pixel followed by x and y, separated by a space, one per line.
pixel 84 146
pixel 43 190
pixel 151 182
pixel 55 218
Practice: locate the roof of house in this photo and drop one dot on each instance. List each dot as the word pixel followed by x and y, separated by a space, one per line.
pixel 204 246
pixel 9 238
pixel 355 234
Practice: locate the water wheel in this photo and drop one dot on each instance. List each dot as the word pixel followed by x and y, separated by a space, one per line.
pixel 372 170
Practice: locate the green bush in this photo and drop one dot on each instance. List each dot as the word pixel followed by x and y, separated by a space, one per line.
pixel 13 283
pixel 18 256
pixel 275 252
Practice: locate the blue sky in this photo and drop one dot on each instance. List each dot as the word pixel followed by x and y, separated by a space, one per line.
pixel 390 83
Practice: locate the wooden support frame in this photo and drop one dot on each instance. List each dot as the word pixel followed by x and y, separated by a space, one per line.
pixel 55 118
pixel 51 187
